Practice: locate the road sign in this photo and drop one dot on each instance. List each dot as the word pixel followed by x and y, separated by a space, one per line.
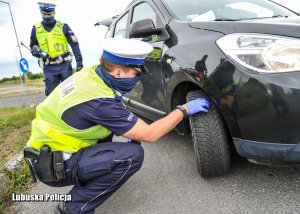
pixel 24 65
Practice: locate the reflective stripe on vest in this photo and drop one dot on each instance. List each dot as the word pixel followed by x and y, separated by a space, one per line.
pixel 54 42
pixel 48 127
pixel 57 136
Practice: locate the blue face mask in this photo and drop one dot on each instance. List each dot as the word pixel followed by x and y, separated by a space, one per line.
pixel 49 20
pixel 120 85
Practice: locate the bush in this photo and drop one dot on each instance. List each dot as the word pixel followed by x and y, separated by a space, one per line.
pixel 33 76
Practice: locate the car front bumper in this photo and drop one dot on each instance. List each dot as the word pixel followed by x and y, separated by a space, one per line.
pixel 258 107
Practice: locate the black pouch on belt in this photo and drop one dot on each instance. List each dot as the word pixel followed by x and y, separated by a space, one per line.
pixel 58 165
pixel 49 166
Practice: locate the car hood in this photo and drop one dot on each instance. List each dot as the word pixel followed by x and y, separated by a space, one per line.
pixel 276 26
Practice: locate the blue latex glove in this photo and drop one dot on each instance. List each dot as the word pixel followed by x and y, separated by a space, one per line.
pixel 198 105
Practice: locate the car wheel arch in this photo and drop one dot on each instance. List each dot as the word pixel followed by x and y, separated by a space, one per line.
pixel 178 97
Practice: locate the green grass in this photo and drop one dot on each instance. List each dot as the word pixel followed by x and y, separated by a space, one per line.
pixel 35 82
pixel 15 125
pixel 10 82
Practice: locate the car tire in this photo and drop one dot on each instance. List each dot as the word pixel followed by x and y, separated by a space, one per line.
pixel 210 139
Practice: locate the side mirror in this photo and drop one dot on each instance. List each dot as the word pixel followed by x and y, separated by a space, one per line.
pixel 143 28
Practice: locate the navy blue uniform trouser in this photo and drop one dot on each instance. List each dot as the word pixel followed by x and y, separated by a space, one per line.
pixel 55 74
pixel 97 172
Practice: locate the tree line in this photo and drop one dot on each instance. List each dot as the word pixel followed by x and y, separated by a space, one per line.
pixel 30 76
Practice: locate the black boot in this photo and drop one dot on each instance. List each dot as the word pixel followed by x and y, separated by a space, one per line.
pixel 61 209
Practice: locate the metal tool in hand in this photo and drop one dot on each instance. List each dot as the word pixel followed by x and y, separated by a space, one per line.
pixel 37 51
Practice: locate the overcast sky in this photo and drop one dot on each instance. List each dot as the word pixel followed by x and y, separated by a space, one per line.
pixel 81 17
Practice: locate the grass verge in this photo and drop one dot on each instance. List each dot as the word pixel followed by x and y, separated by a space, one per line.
pixel 35 82
pixel 15 125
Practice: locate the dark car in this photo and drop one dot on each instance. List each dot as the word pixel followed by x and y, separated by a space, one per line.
pixel 243 55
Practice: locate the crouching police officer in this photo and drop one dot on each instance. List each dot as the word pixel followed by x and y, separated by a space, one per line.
pixel 71 137
pixel 49 41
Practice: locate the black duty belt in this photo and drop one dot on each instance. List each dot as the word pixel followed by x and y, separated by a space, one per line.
pixel 46 165
pixel 59 59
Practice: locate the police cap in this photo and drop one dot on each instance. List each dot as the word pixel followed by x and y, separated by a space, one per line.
pixel 126 52
pixel 46 7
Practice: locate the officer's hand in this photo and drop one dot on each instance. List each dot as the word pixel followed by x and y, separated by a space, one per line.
pixel 35 51
pixel 79 67
pixel 197 105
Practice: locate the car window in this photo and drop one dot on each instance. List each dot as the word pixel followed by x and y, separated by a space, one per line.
pixel 120 29
pixel 145 11
pixel 256 10
pixel 208 10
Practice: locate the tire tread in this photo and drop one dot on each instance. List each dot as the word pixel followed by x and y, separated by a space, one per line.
pixel 210 140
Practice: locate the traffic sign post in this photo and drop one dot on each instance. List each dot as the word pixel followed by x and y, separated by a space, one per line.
pixel 20 75
pixel 24 67
pixel 17 39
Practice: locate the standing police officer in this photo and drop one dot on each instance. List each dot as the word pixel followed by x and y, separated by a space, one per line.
pixel 74 127
pixel 49 41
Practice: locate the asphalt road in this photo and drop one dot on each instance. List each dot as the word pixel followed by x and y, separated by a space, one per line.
pixel 169 182
pixel 24 101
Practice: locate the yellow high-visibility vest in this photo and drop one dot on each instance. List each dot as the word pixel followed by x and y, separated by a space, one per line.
pixel 48 126
pixel 54 42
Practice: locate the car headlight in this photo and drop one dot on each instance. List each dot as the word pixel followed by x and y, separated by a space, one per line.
pixel 262 53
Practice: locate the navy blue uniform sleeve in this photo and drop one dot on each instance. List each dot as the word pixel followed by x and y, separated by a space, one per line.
pixel 106 112
pixel 33 39
pixel 114 116
pixel 73 43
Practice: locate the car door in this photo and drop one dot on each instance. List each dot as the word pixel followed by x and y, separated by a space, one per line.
pixel 120 27
pixel 148 96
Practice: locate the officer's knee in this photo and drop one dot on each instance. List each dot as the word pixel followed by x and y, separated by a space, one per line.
pixel 50 84
pixel 137 155
pixel 48 89
pixel 140 155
